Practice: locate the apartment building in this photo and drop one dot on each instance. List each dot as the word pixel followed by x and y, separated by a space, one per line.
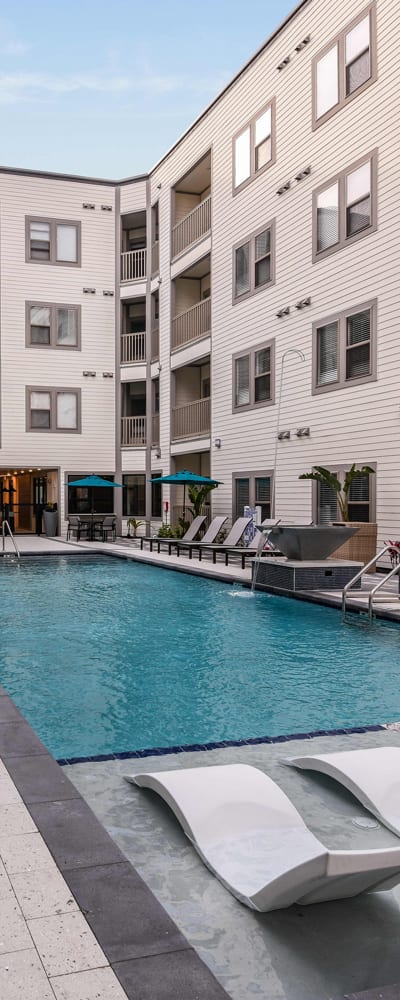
pixel 235 311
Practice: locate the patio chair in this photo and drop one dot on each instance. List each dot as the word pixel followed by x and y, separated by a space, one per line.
pixel 371 774
pixel 189 535
pixel 108 527
pixel 183 545
pixel 77 527
pixel 252 838
pixel 231 541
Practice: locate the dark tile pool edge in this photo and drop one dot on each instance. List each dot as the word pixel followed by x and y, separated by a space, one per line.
pixel 221 745
pixel 85 852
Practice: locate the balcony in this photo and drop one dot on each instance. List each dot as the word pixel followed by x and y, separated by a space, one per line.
pixel 192 227
pixel 191 420
pixel 133 432
pixel 192 324
pixel 133 348
pixel 133 265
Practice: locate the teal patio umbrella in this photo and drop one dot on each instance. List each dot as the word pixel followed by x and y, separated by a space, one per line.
pixel 185 478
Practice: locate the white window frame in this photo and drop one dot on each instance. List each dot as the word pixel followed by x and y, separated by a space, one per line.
pixel 340 42
pixel 341 318
pixel 250 126
pixel 53 392
pixel 53 224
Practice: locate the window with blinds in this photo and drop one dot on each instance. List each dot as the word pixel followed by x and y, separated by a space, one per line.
pixel 327 348
pixel 360 499
pixel 254 263
pixel 51 325
pixel 345 67
pixel 253 147
pixel 327 504
pixel 344 348
pixel 53 242
pixel 253 375
pixel 253 489
pixel 53 409
pixel 345 208
pixel 242 381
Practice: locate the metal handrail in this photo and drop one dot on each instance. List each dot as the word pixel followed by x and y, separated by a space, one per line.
pixel 388 576
pixel 4 525
pixel 372 562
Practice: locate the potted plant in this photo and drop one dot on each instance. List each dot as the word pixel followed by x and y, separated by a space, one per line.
pixel 50 519
pixel 362 546
pixel 134 524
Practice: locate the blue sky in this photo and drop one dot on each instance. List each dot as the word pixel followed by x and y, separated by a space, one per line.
pixel 104 88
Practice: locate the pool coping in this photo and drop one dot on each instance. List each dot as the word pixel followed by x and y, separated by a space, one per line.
pixel 142 944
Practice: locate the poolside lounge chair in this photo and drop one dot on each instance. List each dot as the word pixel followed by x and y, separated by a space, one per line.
pixel 189 536
pixel 211 534
pixel 253 839
pixel 372 775
pixel 231 540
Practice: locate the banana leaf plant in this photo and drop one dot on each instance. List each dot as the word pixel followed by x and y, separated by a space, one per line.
pixel 198 496
pixel 331 481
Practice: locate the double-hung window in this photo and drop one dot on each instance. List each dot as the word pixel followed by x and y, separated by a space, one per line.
pixel 53 241
pixel 253 147
pixel 254 263
pixel 253 378
pixel 344 348
pixel 252 489
pixel 361 499
pixel 49 409
pixel 345 208
pixel 51 325
pixel 345 67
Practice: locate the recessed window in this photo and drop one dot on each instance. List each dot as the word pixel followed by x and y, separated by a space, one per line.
pixel 361 499
pixel 346 67
pixel 345 208
pixel 134 496
pixel 252 489
pixel 253 377
pixel 51 325
pixel 53 241
pixel 345 349
pixel 53 410
pixel 253 147
pixel 254 263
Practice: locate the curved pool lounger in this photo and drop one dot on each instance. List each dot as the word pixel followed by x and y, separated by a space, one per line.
pixel 372 775
pixel 253 839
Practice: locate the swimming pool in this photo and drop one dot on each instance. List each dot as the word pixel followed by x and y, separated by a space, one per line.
pixel 105 655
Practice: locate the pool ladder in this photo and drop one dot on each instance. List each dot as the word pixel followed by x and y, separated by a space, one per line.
pixel 5 525
pixel 387 599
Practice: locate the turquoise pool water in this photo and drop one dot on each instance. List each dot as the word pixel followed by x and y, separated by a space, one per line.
pixel 103 656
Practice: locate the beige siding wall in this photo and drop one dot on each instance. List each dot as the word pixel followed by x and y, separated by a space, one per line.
pixel 356 423
pixel 93 449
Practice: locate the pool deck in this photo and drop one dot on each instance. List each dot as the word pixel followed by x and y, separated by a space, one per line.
pixel 103 898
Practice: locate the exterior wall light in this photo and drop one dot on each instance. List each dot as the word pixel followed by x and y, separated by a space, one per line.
pixel 217 442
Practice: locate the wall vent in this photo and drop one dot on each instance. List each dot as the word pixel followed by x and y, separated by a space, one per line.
pixel 283 312
pixel 88 204
pixel 284 63
pixel 89 291
pixel 303 173
pixel 106 208
pixel 303 43
pixel 285 187
pixel 107 292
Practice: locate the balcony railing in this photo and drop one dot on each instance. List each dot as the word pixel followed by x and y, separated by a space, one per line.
pixel 155 343
pixel 133 265
pixel 155 257
pixel 192 324
pixel 155 429
pixel 133 432
pixel 192 227
pixel 191 420
pixel 133 348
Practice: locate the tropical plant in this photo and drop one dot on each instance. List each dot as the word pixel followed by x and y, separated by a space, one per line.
pixel 198 496
pixel 169 531
pixel 331 481
pixel 134 524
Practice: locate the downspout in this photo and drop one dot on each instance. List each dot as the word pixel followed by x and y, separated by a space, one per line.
pixel 117 379
pixel 149 388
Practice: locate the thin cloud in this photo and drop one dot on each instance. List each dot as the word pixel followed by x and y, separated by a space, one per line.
pixel 14 48
pixel 26 87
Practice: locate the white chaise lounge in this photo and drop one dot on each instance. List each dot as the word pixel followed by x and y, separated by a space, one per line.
pixel 372 775
pixel 253 839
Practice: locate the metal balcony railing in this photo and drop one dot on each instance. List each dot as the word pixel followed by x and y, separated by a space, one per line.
pixel 133 348
pixel 155 257
pixel 133 265
pixel 192 324
pixel 192 227
pixel 191 420
pixel 133 432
